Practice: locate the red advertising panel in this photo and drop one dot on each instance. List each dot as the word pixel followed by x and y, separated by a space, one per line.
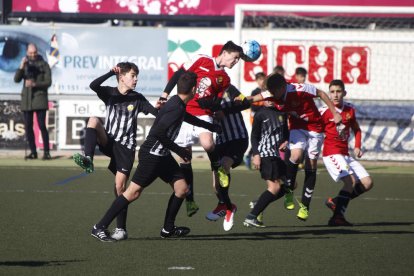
pixel 168 7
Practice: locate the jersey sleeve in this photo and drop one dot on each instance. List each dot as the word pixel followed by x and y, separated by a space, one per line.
pixel 256 132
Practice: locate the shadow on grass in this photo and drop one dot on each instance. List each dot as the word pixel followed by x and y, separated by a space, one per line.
pixel 37 263
pixel 298 232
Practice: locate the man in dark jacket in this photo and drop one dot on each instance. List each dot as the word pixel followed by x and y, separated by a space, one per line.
pixel 37 78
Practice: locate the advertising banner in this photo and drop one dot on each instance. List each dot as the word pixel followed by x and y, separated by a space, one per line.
pixel 168 7
pixel 74 117
pixel 12 126
pixel 79 55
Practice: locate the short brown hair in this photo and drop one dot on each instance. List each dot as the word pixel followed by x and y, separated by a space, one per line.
pixel 126 67
pixel 186 82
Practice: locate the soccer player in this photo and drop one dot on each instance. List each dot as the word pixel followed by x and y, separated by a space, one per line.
pixel 269 135
pixel 231 144
pixel 300 75
pixel 212 82
pixel 117 137
pixel 306 131
pixel 155 160
pixel 338 162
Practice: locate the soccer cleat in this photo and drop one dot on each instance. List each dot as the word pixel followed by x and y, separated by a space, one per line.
pixel 228 221
pixel 223 177
pixel 192 207
pixel 177 232
pixel 85 162
pixel 303 213
pixel 101 234
pixel 119 234
pixel 330 203
pixel 260 215
pixel 253 222
pixel 289 204
pixel 339 221
pixel 218 212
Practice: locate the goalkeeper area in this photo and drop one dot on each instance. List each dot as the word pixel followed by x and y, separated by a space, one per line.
pixel 48 210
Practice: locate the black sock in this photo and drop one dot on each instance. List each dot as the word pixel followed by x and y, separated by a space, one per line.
pixel 90 141
pixel 214 160
pixel 187 170
pixel 264 200
pixel 121 218
pixel 308 187
pixel 359 189
pixel 342 203
pixel 291 172
pixel 117 206
pixel 173 207
pixel 223 195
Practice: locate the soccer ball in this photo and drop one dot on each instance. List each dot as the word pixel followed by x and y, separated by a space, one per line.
pixel 251 50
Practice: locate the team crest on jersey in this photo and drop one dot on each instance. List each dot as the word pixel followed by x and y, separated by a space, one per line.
pixel 130 107
pixel 348 116
pixel 219 79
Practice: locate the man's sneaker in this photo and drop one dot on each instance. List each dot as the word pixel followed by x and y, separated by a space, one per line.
pixel 223 177
pixel 101 234
pixel 217 213
pixel 85 162
pixel 253 222
pixel 177 232
pixel 330 203
pixel 192 207
pixel 119 234
pixel 260 215
pixel 303 213
pixel 229 218
pixel 289 204
pixel 339 221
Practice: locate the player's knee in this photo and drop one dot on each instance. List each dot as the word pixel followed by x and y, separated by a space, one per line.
pixel 368 183
pixel 93 122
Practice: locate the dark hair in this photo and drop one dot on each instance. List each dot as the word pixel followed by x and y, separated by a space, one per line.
pixel 186 82
pixel 278 68
pixel 275 81
pixel 231 47
pixel 338 83
pixel 301 71
pixel 259 75
pixel 125 67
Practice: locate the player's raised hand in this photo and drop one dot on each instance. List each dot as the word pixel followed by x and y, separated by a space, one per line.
pixel 116 70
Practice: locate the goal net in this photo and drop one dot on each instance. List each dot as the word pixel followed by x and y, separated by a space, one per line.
pixel 370 48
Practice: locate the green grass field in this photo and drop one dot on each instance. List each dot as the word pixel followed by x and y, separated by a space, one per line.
pixel 46 223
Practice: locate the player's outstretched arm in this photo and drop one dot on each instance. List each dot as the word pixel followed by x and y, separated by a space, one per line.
pixel 171 84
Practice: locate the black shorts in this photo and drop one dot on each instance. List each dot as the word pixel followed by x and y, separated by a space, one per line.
pixel 272 168
pixel 122 158
pixel 234 149
pixel 151 166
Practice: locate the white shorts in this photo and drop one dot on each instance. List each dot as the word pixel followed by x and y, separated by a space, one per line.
pixel 189 134
pixel 306 140
pixel 339 166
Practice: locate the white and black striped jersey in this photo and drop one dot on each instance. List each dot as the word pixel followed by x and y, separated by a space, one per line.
pixel 160 139
pixel 269 131
pixel 232 125
pixel 121 111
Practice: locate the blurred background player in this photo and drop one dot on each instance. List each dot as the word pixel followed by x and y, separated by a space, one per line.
pixel 155 160
pixel 300 75
pixel 306 132
pixel 279 69
pixel 117 138
pixel 261 86
pixel 231 144
pixel 338 162
pixel 37 78
pixel 212 82
pixel 269 135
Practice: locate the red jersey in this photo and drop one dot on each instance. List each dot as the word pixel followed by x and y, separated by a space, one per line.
pixel 212 81
pixel 299 104
pixel 335 143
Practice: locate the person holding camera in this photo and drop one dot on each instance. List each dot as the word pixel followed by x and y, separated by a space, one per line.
pixel 36 76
